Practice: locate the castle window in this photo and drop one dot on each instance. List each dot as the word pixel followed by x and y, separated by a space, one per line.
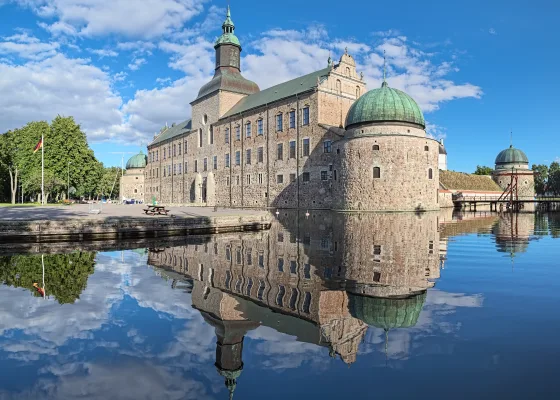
pixel 430 174
pixel 215 162
pixel 376 173
pixel 227 181
pixel 227 136
pixel 260 179
pixel 293 267
pixel 135 190
pixel 195 165
pixel 174 169
pixel 249 284
pixel 248 157
pixel 426 148
pixel 306 147
pixel 324 175
pixel 179 146
pixel 227 160
pixel 358 91
pixel 260 154
pixel 164 172
pixel 248 180
pixel 306 116
pixel 280 237
pixel 327 146
pixel 375 147
pixel 292 149
pixel 228 279
pixel 334 174
pixel 279 151
pixel 305 177
pixel 238 158
pixel 200 138
pixel 237 132
pixel 292 177
pixel 306 303
pixel 211 137
pixel 248 129
pixel 293 299
pixel 280 265
pixel 180 168
pixel 280 179
pixel 174 150
pixel 164 153
pixel 279 122
pixel 169 170
pixel 237 180
pixel 292 119
pixel 205 165
pixel 262 286
pixel 376 276
pixel 338 86
pixel 260 127
pixel 280 296
pixel 347 71
pixel 157 155
pixel 205 119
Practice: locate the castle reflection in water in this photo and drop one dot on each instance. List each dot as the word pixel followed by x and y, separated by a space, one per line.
pixel 323 278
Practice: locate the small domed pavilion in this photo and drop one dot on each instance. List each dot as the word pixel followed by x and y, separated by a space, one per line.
pixel 132 182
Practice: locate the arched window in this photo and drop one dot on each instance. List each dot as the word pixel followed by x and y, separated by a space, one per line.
pixel 376 173
pixel 347 71
pixel 375 147
pixel 338 86
pixel 430 174
pixel 426 148
pixel 358 92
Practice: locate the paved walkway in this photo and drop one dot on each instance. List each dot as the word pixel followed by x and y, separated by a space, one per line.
pixel 124 211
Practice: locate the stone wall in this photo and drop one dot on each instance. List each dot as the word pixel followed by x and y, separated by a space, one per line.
pixel 408 171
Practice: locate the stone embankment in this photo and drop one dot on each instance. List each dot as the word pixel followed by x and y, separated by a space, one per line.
pixel 117 222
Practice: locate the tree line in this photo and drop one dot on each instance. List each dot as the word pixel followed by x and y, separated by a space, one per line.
pixel 547 178
pixel 70 164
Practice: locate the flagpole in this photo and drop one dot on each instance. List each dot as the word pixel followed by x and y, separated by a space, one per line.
pixel 42 169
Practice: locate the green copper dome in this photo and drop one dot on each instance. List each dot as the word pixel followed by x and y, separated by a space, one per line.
pixel 387 313
pixel 138 161
pixel 385 105
pixel 511 156
pixel 228 37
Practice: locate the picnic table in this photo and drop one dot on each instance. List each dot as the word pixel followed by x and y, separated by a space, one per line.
pixel 155 210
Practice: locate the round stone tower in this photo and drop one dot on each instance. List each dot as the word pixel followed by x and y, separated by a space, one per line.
pixel 512 168
pixel 386 162
pixel 132 182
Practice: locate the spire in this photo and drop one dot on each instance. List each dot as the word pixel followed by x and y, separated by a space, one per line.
pixel 384 84
pixel 329 61
pixel 228 26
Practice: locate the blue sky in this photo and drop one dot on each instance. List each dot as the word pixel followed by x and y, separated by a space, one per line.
pixel 123 68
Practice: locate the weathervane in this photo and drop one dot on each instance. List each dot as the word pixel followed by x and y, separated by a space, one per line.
pixel 384 65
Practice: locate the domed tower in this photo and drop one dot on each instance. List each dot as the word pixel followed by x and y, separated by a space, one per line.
pixel 512 169
pixel 386 162
pixel 227 86
pixel 132 182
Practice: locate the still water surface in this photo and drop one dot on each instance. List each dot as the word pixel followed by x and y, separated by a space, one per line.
pixel 393 306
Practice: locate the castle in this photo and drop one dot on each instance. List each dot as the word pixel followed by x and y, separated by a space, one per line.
pixel 318 141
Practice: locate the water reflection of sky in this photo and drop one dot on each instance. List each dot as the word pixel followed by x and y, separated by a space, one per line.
pixel 487 330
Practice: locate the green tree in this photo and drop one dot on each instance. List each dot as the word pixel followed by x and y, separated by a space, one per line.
pixel 66 275
pixel 483 170
pixel 9 160
pixel 553 185
pixel 541 178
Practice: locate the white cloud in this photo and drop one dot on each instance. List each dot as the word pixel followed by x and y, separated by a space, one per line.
pixel 104 52
pixel 28 47
pixel 40 90
pixel 151 18
pixel 136 64
pixel 492 31
pixel 138 47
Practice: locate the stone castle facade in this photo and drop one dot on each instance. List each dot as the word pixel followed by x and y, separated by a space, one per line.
pixel 319 141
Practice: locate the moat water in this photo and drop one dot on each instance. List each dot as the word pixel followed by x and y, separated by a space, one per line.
pixel 329 306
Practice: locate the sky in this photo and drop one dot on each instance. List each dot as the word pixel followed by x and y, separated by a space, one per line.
pixel 124 68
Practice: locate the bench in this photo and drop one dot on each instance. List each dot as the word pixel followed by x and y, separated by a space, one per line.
pixel 153 210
